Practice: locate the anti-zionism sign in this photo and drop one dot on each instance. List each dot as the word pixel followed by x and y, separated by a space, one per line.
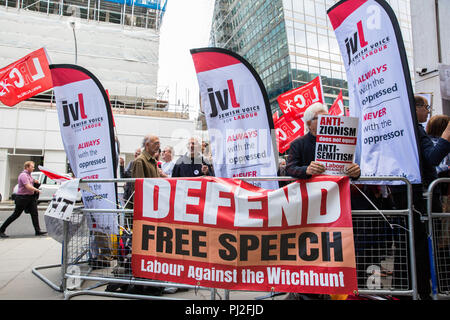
pixel 379 86
pixel 226 233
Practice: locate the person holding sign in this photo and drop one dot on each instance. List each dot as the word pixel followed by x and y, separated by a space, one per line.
pixel 25 200
pixel 302 151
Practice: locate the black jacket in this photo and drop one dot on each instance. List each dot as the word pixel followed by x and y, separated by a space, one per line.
pixel 432 155
pixel 190 167
pixel 301 152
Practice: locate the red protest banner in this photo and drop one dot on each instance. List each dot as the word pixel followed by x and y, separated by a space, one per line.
pixel 288 128
pixel 25 78
pixel 301 98
pixel 226 233
pixel 337 109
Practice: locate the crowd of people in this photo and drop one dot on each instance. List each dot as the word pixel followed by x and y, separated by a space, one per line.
pixel 150 161
pixel 434 148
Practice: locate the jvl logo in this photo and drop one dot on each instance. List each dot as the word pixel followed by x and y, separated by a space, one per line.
pixel 222 99
pixel 76 110
pixel 352 42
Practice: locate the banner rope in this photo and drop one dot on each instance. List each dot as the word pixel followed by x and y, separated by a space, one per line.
pixel 107 200
pixel 391 225
pixel 128 200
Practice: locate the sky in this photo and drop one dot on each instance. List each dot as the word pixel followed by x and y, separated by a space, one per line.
pixel 186 25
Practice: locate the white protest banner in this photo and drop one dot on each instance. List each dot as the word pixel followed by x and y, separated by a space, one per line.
pixel 336 142
pixel 63 201
pixel 238 116
pixel 380 89
pixel 86 126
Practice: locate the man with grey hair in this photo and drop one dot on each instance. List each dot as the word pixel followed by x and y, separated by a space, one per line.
pixel 167 162
pixel 192 164
pixel 146 165
pixel 300 163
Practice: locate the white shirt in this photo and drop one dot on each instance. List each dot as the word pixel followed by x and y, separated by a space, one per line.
pixel 167 167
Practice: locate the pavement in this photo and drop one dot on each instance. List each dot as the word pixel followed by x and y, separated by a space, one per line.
pixel 24 252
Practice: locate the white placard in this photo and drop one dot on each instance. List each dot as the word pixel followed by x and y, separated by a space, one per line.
pixel 336 142
pixel 63 201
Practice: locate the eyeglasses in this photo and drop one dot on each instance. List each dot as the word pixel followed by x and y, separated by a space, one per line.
pixel 426 106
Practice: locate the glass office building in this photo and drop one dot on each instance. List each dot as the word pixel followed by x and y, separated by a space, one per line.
pixel 290 42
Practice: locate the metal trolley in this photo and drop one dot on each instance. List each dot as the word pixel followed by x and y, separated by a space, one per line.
pixel 384 251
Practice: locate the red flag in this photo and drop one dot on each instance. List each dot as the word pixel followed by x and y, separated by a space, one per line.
pixel 58 177
pixel 301 98
pixel 25 78
pixel 337 109
pixel 287 130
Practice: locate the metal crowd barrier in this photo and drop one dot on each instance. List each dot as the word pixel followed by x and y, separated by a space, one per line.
pixel 384 251
pixel 439 244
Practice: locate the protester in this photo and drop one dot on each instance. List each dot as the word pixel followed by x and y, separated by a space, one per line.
pixel 146 164
pixel 301 165
pixel 281 167
pixel 25 200
pixel 157 155
pixel 206 151
pixel 281 172
pixel 302 150
pixel 167 162
pixel 430 156
pixel 192 164
pixel 432 153
pixel 127 173
pixel 435 127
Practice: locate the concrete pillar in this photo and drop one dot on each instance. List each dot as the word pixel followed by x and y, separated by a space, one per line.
pixel 4 174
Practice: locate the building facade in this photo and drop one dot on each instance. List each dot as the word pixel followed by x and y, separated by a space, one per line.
pixel 290 42
pixel 431 38
pixel 119 44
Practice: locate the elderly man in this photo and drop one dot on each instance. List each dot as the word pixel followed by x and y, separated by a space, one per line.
pixel 167 162
pixel 25 200
pixel 192 164
pixel 301 164
pixel 146 165
pixel 302 151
